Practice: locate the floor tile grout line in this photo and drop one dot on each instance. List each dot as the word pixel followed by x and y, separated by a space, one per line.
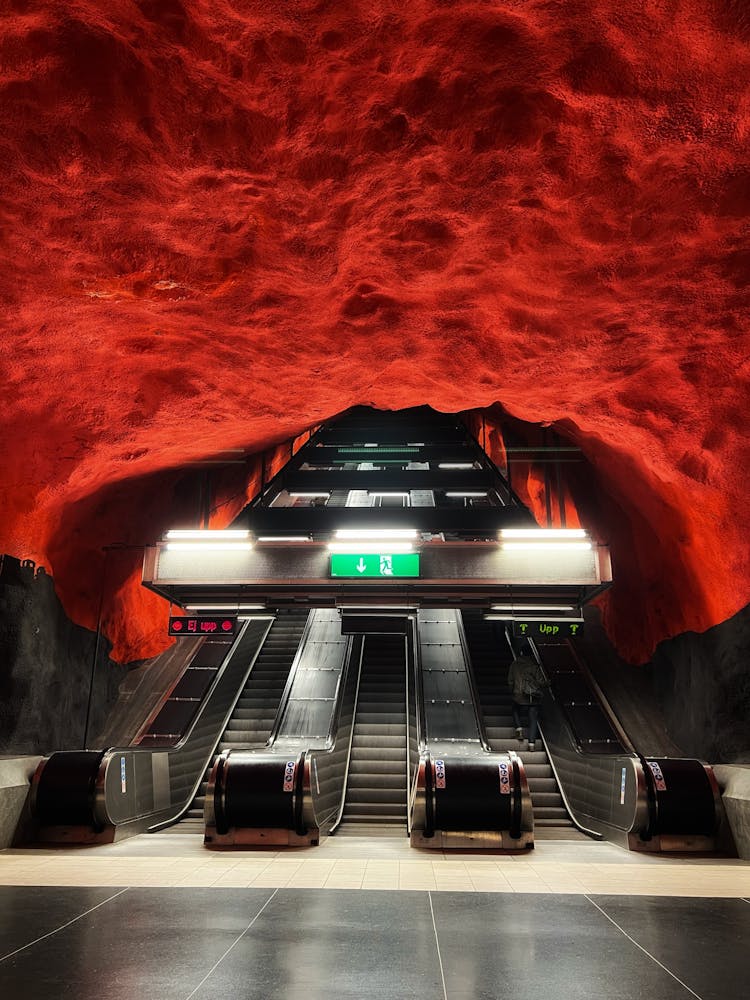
pixel 645 952
pixel 437 945
pixel 216 964
pixel 63 926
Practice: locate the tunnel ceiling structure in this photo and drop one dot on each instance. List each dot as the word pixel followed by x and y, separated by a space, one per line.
pixel 223 222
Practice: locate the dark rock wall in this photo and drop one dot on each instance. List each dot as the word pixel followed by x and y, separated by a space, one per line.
pixel 702 682
pixel 45 668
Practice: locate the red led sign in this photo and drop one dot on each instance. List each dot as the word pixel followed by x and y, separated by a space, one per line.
pixel 203 625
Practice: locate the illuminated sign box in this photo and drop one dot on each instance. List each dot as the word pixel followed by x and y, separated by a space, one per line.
pixel 382 565
pixel 203 625
pixel 538 629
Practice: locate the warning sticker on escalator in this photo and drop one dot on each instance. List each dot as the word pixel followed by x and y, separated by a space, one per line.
pixel 661 785
pixel 439 774
pixel 291 767
pixel 504 769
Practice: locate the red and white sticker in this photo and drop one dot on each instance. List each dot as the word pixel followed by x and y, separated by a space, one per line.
pixel 661 785
pixel 504 769
pixel 289 770
pixel 439 774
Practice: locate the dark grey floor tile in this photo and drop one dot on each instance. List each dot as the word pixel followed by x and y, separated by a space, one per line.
pixel 539 947
pixel 705 942
pixel 147 944
pixel 334 945
pixel 28 912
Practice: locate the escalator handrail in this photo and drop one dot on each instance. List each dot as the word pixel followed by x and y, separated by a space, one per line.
pixel 289 682
pixel 338 696
pixel 355 705
pixel 625 747
pixel 602 699
pixel 420 716
pixel 469 667
pixel 595 835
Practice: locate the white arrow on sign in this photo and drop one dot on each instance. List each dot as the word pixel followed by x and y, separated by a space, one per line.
pixel 361 565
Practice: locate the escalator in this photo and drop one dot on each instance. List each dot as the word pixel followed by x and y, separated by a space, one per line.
pixel 254 714
pixel 652 803
pixel 377 779
pixel 93 796
pixel 490 660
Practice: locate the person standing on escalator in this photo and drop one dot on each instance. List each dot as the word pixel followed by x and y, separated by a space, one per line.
pixel 527 682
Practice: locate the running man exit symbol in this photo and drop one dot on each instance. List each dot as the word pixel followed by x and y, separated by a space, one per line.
pixel 361 565
pixel 386 565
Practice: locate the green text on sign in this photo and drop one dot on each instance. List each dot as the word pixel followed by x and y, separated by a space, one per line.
pixel 547 630
pixel 380 564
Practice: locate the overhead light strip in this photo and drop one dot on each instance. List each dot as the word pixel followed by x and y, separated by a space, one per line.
pixel 209 546
pixel 226 606
pixel 542 546
pixel 543 533
pixel 207 534
pixel 283 538
pixel 370 533
pixel 385 547
pixel 533 607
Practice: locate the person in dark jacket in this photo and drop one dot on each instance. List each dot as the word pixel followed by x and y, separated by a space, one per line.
pixel 527 682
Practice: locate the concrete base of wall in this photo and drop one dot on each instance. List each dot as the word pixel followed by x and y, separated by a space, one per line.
pixel 15 778
pixel 734 782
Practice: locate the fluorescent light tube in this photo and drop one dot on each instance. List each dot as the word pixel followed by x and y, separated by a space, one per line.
pixel 542 546
pixel 385 548
pixel 468 493
pixel 227 606
pixel 369 533
pixel 207 534
pixel 209 546
pixel 533 607
pixel 530 533
pixel 284 538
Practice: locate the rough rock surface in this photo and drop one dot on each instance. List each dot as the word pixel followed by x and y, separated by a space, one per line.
pixel 224 221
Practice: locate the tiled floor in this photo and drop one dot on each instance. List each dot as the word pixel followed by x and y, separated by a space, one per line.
pixel 161 918
pixel 363 863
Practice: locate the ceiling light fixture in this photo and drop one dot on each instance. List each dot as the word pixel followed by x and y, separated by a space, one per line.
pixel 370 533
pixel 543 533
pixel 207 534
pixel 283 538
pixel 209 546
pixel 542 546
pixel 365 548
pixel 533 607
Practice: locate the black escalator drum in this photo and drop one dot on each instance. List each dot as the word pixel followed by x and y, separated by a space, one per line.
pixel 469 785
pixel 686 805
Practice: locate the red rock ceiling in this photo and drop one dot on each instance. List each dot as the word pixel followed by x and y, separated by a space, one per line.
pixel 224 221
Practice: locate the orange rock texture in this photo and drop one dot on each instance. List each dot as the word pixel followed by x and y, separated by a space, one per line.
pixel 223 221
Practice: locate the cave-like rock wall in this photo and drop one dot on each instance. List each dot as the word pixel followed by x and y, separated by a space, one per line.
pixel 223 222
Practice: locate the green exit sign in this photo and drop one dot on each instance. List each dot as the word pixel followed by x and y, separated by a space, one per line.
pixel 381 564
pixel 559 629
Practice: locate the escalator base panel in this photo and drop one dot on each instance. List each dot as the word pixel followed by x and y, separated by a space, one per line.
pixel 477 840
pixel 673 844
pixel 266 837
